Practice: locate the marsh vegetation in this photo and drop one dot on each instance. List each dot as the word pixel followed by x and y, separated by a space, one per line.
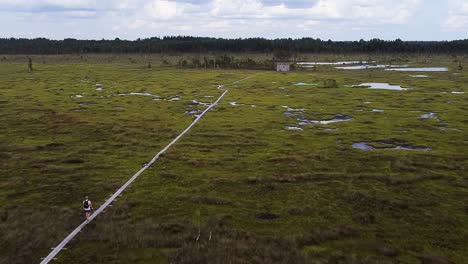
pixel 239 186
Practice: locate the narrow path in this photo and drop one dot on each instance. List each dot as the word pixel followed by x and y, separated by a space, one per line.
pixel 78 229
pixel 245 79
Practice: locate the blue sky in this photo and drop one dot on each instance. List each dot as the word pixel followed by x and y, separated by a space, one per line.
pixel 325 19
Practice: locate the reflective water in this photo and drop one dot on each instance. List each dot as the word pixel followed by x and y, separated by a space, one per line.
pixel 293 128
pixel 384 86
pixel 99 87
pixel 386 146
pixel 367 67
pixel 423 69
pixel 194 113
pixel 140 94
pixel 331 63
pixel 335 119
pixel 290 109
pixel 291 114
pixel 362 146
pixel 429 116
pixel 200 103
pixel 305 84
pixel 419 76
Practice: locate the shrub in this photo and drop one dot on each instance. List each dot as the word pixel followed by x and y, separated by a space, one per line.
pixel 330 83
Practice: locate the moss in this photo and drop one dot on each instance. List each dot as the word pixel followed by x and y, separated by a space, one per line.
pixel 236 164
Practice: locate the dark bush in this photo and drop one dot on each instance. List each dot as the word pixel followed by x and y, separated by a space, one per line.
pixel 330 83
pixel 320 235
pixel 266 216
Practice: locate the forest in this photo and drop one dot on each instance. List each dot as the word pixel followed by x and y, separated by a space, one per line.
pixel 187 44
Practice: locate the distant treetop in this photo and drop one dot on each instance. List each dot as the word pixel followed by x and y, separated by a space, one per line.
pixel 188 44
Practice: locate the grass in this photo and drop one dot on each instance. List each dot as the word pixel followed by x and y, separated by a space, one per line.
pixel 264 194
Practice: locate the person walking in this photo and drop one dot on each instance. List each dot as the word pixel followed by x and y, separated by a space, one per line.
pixel 88 207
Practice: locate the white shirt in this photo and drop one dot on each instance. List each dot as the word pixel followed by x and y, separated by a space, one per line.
pixel 89 205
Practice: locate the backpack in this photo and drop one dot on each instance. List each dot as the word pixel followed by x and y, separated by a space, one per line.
pixel 86 204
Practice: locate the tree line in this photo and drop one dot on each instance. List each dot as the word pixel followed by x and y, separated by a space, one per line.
pixel 186 44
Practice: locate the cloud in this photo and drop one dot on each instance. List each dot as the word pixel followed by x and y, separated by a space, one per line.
pixel 135 24
pixel 31 5
pixel 255 17
pixel 458 16
pixel 163 9
pixel 230 18
pixel 376 11
pixel 236 8
pixel 379 11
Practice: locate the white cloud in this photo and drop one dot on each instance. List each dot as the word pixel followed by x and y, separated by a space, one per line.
pixel 70 3
pixel 254 17
pixel 336 19
pixel 163 9
pixel 28 4
pixel 377 11
pixel 328 9
pixel 308 24
pixel 236 8
pixel 457 16
pixel 79 14
pixel 135 24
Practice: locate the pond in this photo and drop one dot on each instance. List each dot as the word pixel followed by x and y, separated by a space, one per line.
pixel 382 86
pixel 423 69
pixel 194 113
pixel 99 87
pixel 386 146
pixel 335 119
pixel 293 128
pixel 139 94
pixel 331 63
pixel 369 67
pixel 290 109
pixel 429 116
pixel 200 103
pixel 305 84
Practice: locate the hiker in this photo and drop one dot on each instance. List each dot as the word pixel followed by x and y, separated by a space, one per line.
pixel 88 207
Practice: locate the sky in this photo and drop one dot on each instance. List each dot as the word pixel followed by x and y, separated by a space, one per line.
pixel 324 19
